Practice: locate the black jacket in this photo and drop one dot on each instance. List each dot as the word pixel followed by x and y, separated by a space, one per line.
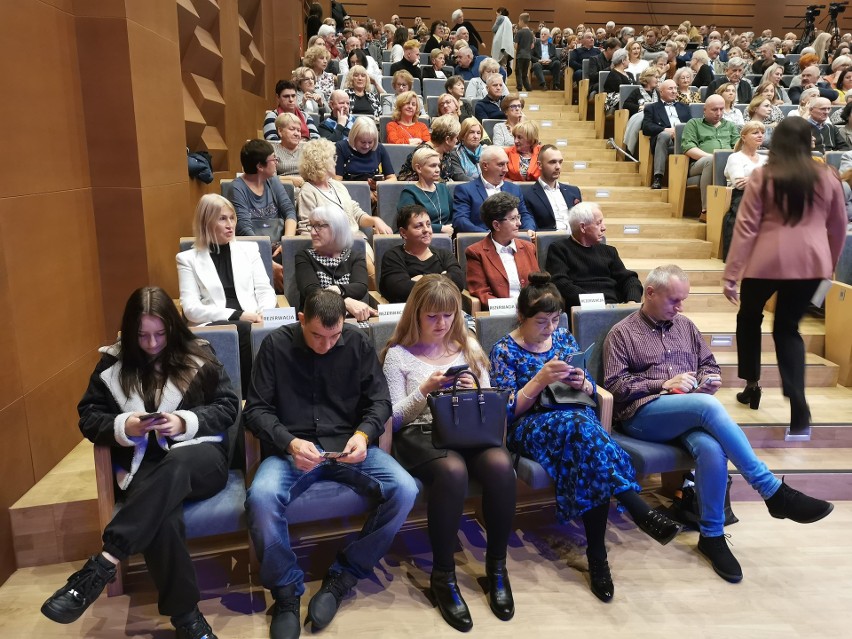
pixel 656 119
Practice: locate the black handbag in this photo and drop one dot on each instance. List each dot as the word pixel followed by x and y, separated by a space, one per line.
pixel 560 396
pixel 468 418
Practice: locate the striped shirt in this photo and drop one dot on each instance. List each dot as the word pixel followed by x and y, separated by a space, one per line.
pixel 641 354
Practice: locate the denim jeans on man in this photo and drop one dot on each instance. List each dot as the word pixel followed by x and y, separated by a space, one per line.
pixel 703 425
pixel 278 482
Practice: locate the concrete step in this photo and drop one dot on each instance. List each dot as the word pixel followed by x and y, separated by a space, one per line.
pixel 662 249
pixel 639 211
pixel 720 329
pixel 594 179
pixel 653 228
pixel 818 371
pixel 702 272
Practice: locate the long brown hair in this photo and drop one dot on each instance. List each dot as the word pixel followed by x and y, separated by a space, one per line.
pixel 142 374
pixel 793 172
pixel 435 293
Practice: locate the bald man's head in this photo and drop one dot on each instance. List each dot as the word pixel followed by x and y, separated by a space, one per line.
pixel 714 106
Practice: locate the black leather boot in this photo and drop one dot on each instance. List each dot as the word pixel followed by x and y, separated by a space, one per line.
pixel 499 591
pixel 447 596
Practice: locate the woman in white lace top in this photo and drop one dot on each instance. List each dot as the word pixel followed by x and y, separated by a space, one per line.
pixel 430 338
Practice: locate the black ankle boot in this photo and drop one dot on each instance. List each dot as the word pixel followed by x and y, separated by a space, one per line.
pixel 789 503
pixel 447 596
pixel 751 396
pixel 601 579
pixel 499 590
pixel 659 527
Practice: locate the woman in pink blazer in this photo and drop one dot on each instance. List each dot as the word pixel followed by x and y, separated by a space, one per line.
pixel 487 274
pixel 789 232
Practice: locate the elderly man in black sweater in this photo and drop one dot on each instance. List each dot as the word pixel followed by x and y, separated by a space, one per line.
pixel 582 263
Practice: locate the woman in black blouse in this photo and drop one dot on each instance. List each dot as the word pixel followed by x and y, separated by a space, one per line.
pixel 330 264
pixel 363 98
pixel 404 265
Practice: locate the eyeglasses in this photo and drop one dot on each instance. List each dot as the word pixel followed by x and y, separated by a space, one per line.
pixel 515 106
pixel 512 218
pixel 272 159
pixel 317 227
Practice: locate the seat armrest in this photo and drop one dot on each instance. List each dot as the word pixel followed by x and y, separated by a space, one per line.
pixel 282 301
pixel 105 483
pixel 376 298
pixel 470 304
pixel 645 160
pixel 605 401
pixel 252 455
pixel 600 114
pixel 718 204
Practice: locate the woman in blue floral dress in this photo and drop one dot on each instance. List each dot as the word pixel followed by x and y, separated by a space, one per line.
pixel 586 465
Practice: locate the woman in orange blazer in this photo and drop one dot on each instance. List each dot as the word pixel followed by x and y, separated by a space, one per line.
pixel 487 275
pixel 789 232
pixel 523 157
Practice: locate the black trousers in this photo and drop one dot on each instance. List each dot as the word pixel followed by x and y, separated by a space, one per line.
pixel 244 338
pixel 522 74
pixel 151 519
pixel 794 296
pixel 446 479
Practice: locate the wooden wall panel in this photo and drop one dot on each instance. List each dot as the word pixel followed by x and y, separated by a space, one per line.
pixel 16 476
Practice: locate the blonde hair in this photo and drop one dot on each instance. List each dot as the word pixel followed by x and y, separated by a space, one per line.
pixel 444 97
pixel 435 293
pixel 357 68
pixel 467 124
pixel 748 127
pixel 401 100
pixel 284 119
pixel 206 215
pixel 300 74
pixel 314 53
pixel 444 127
pixel 422 154
pixel 647 74
pixel 411 44
pixel 403 76
pixel 487 67
pixel 313 163
pixel 364 126
pixel 529 130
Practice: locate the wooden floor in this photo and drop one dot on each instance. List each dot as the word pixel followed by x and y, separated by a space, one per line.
pixel 798 583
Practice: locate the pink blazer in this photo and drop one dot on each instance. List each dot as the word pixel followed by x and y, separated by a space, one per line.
pixel 486 275
pixel 764 248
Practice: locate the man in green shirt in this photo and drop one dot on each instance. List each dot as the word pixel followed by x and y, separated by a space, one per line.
pixel 702 136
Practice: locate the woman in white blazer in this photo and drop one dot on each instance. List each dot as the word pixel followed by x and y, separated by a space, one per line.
pixel 223 281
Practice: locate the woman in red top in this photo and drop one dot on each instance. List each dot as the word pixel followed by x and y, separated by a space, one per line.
pixel 523 157
pixel 405 128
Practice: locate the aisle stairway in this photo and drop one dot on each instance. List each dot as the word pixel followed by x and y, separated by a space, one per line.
pixel 57 519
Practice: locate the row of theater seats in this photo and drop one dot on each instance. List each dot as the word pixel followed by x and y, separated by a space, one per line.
pixel 224 513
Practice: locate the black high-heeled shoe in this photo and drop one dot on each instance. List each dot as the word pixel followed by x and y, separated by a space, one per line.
pixel 751 396
pixel 600 579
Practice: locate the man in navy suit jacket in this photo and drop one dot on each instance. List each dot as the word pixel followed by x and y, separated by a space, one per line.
pixel 658 125
pixel 548 192
pixel 544 44
pixel 468 197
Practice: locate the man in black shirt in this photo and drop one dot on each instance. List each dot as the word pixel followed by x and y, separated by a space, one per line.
pixel 317 386
pixel 410 60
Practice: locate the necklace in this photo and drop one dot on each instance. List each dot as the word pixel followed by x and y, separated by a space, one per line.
pixel 436 203
pixel 336 199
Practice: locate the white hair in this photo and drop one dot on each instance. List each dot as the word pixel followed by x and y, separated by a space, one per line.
pixel 660 277
pixel 457 14
pixel 490 152
pixel 338 225
pixel 736 63
pixel 582 213
pixel 326 30
pixel 619 56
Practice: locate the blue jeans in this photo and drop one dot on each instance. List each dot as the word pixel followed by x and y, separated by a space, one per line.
pixel 278 482
pixel 703 425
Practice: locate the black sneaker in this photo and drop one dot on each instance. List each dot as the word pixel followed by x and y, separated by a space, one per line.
pixel 789 503
pixel 721 558
pixel 285 618
pixel 83 587
pixel 323 605
pixel 195 628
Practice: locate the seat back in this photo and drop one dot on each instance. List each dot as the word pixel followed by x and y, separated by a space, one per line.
pixel 678 137
pixel 585 69
pixel 433 87
pixel 834 158
pixel 388 198
pixel 386 65
pixel 543 241
pixel 463 240
pixel 225 343
pixel 263 245
pixel 398 154
pixel 383 243
pixel 592 327
pixel 488 126
pixel 491 328
pixel 720 160
pixel 696 110
pixel 381 332
pixel 386 55
pixel 703 93
pixel 360 192
pixel 602 76
pixel 624 92
pixel 787 109
pixel 258 334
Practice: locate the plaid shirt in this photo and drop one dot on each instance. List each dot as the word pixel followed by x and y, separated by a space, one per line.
pixel 641 354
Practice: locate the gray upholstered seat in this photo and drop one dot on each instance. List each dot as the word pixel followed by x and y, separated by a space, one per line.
pixel 591 327
pixel 388 200
pixel 383 129
pixel 398 153
pixel 360 192
pixel 691 180
pixel 290 246
pixel 383 243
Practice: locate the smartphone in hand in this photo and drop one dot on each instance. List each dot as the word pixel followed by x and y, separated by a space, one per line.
pixel 452 371
pixel 333 455
pixel 157 415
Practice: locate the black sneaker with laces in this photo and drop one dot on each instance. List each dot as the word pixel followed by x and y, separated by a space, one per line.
pixel 659 527
pixel 195 628
pixel 83 587
pixel 721 558
pixel 789 503
pixel 285 618
pixel 324 604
